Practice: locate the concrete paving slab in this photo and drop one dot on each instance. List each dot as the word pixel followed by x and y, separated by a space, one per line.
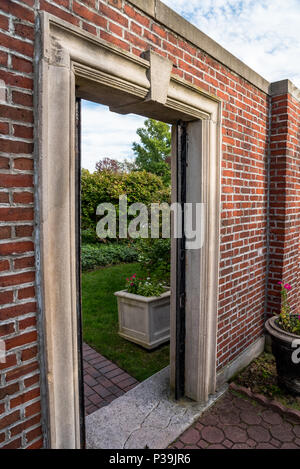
pixel 145 417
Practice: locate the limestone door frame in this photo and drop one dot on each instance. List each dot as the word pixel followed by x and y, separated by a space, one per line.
pixel 70 62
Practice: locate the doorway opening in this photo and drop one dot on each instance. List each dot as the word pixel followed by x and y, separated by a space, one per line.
pixel 124 340
pixel 73 63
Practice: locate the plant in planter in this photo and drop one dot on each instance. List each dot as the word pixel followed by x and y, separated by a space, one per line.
pixel 144 286
pixel 284 330
pixel 144 306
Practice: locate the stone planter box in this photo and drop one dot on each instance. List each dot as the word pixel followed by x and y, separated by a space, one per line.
pixel 144 320
pixel 282 347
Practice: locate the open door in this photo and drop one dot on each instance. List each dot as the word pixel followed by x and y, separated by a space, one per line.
pixel 181 145
pixel 78 267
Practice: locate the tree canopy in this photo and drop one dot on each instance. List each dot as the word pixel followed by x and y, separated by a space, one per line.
pixel 153 153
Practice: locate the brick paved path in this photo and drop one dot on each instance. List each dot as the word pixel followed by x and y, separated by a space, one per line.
pixel 103 380
pixel 237 423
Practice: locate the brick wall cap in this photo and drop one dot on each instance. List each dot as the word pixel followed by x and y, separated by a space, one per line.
pixel 179 25
pixel 281 87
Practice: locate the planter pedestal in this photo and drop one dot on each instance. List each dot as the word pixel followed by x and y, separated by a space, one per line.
pixel 288 370
pixel 144 320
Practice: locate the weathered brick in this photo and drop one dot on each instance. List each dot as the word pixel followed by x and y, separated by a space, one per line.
pixel 24 293
pixel 21 371
pixel 15 248
pixel 27 396
pixel 16 214
pixel 23 131
pixel 17 45
pixel 4 265
pixel 6 297
pixel 5 232
pixel 6 329
pixel 8 390
pixel 23 198
pixel 62 14
pixel 25 99
pixel 13 444
pixel 17 429
pixel 118 42
pixel 114 15
pixel 24 262
pixel 31 352
pixel 138 17
pixel 33 409
pixel 18 310
pixel 36 445
pixel 9 419
pixel 24 230
pixel 11 360
pixel 22 65
pixel 89 15
pixel 4 23
pixel 4 197
pixel 13 146
pixel 4 163
pixel 20 340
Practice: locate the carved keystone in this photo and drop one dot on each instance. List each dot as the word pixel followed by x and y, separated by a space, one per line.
pixel 159 76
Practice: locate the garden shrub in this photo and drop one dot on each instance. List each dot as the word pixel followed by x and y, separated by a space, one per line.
pixel 106 186
pixel 154 256
pixel 89 236
pixel 100 255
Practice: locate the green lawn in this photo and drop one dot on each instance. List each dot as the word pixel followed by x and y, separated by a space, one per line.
pixel 100 323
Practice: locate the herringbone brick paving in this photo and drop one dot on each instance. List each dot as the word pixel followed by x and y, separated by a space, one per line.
pixel 103 380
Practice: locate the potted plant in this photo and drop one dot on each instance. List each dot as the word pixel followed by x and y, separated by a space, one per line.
pixel 284 330
pixel 144 312
pixel 144 306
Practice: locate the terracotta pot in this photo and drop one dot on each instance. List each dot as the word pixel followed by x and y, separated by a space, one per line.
pixel 285 348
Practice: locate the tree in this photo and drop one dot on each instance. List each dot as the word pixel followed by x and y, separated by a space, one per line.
pixel 109 165
pixel 153 153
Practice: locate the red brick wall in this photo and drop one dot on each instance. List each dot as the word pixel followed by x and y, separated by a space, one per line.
pixel 244 190
pixel 284 200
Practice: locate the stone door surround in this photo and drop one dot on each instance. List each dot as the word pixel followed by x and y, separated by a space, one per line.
pixel 71 62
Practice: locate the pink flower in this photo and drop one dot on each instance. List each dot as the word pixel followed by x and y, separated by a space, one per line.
pixel 133 276
pixel 127 280
pixel 280 283
pixel 287 286
pixel 131 284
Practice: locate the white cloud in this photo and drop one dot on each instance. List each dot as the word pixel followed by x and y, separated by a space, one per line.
pixel 106 134
pixel 265 34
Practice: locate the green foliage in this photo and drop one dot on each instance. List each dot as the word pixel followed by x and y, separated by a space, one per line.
pixel 139 186
pixel 261 377
pixel 100 255
pixel 89 236
pixel 154 257
pixel 154 150
pixel 287 321
pixel 144 286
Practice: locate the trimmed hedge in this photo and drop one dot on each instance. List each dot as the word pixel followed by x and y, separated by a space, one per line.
pixel 139 186
pixel 100 255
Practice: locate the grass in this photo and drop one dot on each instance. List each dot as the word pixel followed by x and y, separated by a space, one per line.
pixel 261 377
pixel 100 323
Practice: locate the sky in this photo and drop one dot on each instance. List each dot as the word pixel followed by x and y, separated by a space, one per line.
pixel 265 34
pixel 106 134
